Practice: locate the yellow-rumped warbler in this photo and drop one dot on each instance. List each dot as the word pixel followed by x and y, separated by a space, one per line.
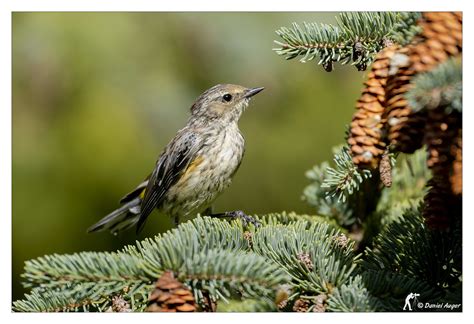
pixel 195 167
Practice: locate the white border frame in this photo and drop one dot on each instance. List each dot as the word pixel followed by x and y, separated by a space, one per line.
pixel 8 6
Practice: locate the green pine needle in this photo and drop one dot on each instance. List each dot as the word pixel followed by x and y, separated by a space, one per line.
pixel 343 180
pixel 356 37
pixel 351 297
pixel 440 87
pixel 329 264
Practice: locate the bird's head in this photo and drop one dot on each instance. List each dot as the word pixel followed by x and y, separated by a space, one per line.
pixel 224 102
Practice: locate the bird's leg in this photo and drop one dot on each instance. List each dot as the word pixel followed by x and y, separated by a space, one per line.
pixel 176 221
pixel 237 214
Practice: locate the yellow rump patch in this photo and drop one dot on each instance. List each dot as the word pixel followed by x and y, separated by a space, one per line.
pixel 142 194
pixel 191 167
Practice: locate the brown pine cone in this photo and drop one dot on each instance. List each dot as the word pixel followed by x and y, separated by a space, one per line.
pixel 320 303
pixel 437 209
pixel 170 295
pixel 366 135
pixel 341 240
pixel 405 127
pixel 383 102
pixel 305 259
pixel 441 206
pixel 440 39
pixel 441 134
pixel 301 306
pixel 385 170
pixel 444 145
pixel 120 305
pixel 248 237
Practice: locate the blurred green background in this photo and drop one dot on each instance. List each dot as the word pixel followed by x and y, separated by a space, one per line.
pixel 96 96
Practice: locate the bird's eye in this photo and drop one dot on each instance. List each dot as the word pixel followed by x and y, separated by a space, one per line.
pixel 227 97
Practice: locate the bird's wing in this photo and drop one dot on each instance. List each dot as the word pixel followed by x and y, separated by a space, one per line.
pixel 137 192
pixel 172 163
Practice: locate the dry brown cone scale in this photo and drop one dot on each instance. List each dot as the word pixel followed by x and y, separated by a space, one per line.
pixel 170 295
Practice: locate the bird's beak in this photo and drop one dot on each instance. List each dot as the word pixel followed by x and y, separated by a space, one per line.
pixel 252 92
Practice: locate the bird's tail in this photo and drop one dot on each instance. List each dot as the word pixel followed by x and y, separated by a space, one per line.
pixel 120 219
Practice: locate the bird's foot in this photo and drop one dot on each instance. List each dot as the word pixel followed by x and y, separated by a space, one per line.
pixel 238 214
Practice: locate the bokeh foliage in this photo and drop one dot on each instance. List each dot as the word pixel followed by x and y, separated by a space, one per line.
pixel 96 96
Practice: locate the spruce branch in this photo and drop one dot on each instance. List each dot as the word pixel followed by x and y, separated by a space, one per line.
pixel 389 289
pixel 171 250
pixel 343 193
pixel 86 281
pixel 406 28
pixel 409 175
pixel 331 263
pixel 316 195
pixel 409 178
pixel 357 37
pixel 343 180
pixel 247 305
pixel 286 218
pixel 222 272
pixel 52 301
pixel 81 297
pixel 440 87
pixel 53 271
pixel 408 254
pixel 210 256
pixel 351 297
